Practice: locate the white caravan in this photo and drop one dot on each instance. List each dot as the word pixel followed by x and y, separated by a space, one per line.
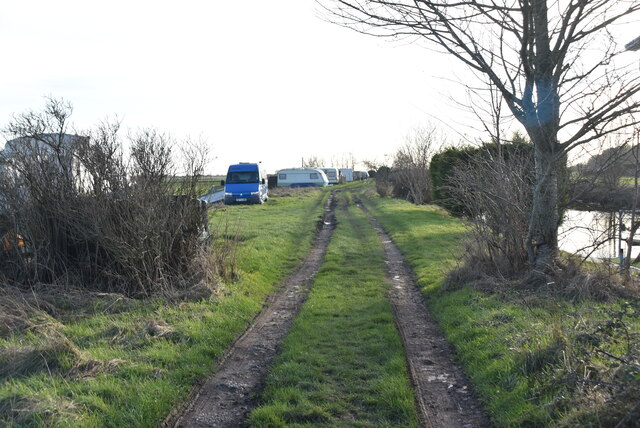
pixel 360 175
pixel 346 174
pixel 332 174
pixel 302 177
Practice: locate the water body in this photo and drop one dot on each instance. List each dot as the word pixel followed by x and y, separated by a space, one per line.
pixel 593 234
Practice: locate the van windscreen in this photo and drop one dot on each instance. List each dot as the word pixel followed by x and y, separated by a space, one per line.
pixel 239 177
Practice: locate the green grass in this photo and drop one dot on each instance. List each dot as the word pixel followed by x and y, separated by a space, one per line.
pixel 150 374
pixel 342 363
pixel 520 348
pixel 627 181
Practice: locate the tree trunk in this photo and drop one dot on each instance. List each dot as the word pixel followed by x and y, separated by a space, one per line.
pixel 542 238
pixel 542 121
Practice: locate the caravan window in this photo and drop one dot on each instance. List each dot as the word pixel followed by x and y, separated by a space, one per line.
pixel 282 176
pixel 314 175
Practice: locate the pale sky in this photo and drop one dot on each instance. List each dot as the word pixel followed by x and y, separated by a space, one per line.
pixel 258 80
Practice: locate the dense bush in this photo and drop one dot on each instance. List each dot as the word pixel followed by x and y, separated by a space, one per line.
pixel 445 163
pixel 90 215
pixel 384 186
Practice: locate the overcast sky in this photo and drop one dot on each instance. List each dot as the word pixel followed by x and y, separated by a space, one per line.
pixel 259 80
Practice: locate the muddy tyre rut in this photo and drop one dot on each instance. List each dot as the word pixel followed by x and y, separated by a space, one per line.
pixel 444 396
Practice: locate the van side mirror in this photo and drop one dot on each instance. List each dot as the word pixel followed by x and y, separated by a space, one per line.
pixel 263 181
pixel 222 182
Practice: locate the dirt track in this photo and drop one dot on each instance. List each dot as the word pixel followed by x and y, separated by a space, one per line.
pixel 443 394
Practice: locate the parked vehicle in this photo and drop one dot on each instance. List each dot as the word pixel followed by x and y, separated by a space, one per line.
pixel 213 197
pixel 346 175
pixel 302 177
pixel 332 174
pixel 245 184
pixel 360 175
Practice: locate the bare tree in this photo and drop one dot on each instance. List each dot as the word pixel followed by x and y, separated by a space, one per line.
pixel 371 164
pixel 312 162
pixel 345 160
pixel 541 56
pixel 411 164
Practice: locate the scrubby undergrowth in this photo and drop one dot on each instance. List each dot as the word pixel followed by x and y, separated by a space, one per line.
pixel 75 357
pixel 584 366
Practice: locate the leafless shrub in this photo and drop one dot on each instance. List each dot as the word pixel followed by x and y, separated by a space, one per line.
pixel 313 161
pixel 91 216
pixel 478 269
pixel 410 173
pixel 495 190
pixel 224 248
pixel 599 282
pixel 384 188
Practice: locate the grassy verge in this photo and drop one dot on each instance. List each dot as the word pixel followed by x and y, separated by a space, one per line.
pixel 104 360
pixel 535 359
pixel 342 363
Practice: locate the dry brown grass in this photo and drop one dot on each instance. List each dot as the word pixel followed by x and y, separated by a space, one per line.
pixel 197 292
pixel 21 411
pixel 48 350
pixel 160 329
pixel 595 281
pixel 54 355
pixel 20 312
pixel 570 279
pixel 283 192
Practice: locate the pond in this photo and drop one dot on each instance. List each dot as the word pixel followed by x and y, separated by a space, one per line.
pixel 581 229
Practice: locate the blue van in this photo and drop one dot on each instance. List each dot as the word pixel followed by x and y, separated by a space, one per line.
pixel 245 184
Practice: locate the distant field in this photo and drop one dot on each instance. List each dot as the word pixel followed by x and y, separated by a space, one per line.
pixel 204 184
